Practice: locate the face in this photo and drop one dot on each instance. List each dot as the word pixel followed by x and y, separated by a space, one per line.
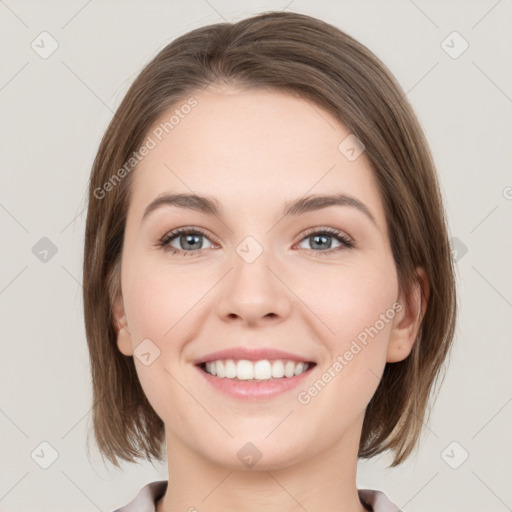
pixel 316 281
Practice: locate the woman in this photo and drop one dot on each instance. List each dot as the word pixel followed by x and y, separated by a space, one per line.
pixel 268 284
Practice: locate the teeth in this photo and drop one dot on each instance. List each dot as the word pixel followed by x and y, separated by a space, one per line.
pixel 221 369
pixel 230 369
pixel 299 368
pixel 244 370
pixel 262 370
pixel 289 369
pixel 277 369
pixel 255 370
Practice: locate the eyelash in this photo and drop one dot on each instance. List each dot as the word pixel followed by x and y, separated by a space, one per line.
pixel 346 243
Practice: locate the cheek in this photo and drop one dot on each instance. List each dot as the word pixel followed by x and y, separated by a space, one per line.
pixel 360 311
pixel 358 308
pixel 159 299
pixel 163 304
pixel 351 298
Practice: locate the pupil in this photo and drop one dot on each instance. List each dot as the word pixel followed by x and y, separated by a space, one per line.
pixel 192 239
pixel 316 238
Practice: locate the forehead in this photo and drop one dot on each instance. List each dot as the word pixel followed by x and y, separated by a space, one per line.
pixel 250 147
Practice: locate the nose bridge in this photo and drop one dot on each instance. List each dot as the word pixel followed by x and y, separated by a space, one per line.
pixel 252 291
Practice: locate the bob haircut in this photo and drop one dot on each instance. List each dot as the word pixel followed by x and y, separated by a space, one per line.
pixel 309 58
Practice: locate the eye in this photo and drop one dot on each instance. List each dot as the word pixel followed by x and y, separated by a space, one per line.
pixel 321 240
pixel 188 240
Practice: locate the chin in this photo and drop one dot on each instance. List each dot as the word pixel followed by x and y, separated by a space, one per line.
pixel 255 453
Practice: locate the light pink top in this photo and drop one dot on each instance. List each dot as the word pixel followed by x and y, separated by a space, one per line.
pixel 145 501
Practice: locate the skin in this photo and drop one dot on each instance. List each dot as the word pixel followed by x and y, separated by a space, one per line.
pixel 253 151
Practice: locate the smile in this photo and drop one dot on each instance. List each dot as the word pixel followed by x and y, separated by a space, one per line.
pixel 255 371
pixel 254 380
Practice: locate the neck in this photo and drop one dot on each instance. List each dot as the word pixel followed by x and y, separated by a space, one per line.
pixel 324 481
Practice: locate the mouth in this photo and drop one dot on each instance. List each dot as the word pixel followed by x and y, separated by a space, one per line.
pixel 249 373
pixel 254 381
pixel 263 370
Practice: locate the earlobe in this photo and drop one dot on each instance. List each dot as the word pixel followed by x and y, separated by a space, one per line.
pixel 407 322
pixel 124 343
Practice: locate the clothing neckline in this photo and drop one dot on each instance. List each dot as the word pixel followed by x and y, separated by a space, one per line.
pixel 148 497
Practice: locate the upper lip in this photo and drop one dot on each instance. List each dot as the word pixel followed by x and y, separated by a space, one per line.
pixel 251 354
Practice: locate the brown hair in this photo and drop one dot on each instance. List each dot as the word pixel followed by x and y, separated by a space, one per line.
pixel 301 55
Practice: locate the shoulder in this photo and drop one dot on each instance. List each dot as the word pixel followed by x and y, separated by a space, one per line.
pixel 146 499
pixel 377 501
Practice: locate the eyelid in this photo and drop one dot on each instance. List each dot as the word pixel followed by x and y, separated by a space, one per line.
pixel 346 241
pixel 328 230
pixel 173 233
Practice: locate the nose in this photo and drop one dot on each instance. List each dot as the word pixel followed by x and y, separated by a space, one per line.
pixel 254 293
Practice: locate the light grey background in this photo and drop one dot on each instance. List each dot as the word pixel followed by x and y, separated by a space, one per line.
pixel 54 112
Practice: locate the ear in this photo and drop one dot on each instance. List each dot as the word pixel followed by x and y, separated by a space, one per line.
pixel 124 342
pixel 407 321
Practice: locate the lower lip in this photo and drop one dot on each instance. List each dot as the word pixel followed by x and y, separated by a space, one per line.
pixel 255 390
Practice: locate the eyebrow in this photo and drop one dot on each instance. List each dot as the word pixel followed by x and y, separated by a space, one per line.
pixel 210 205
